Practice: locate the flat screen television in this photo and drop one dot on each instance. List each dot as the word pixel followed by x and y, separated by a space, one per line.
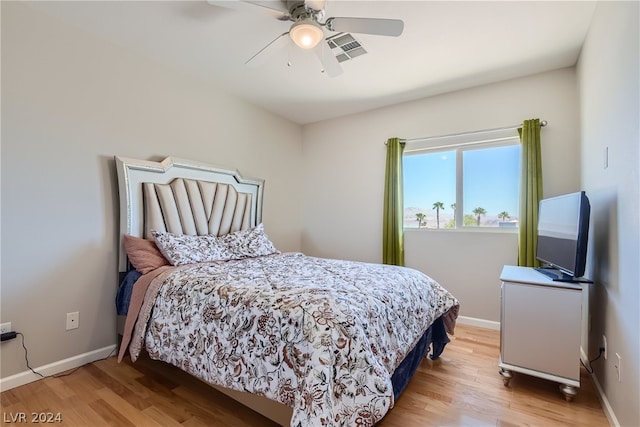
pixel 563 230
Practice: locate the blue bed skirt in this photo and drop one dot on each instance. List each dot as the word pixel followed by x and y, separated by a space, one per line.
pixel 436 337
pixel 125 290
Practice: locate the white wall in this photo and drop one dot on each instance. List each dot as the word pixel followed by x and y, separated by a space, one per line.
pixel 343 169
pixel 70 102
pixel 609 72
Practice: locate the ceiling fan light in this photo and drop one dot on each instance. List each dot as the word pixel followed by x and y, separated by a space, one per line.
pixel 306 34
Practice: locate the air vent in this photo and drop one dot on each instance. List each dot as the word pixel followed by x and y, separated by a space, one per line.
pixel 345 47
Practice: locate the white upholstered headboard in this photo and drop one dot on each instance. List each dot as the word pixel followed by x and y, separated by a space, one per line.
pixel 184 197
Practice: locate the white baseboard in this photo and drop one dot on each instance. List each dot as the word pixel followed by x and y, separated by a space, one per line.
pixel 606 406
pixel 54 368
pixel 584 357
pixel 481 323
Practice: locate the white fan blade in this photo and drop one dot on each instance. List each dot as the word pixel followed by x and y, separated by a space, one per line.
pixel 329 62
pixel 380 27
pixel 275 45
pixel 276 9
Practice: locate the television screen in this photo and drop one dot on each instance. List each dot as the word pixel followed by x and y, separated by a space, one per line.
pixel 563 227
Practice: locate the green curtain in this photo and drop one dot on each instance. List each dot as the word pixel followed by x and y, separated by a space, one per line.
pixel 530 192
pixel 392 224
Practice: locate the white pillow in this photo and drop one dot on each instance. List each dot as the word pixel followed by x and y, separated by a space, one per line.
pixel 249 243
pixel 182 249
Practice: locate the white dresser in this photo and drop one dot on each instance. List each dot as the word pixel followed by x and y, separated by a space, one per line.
pixel 540 328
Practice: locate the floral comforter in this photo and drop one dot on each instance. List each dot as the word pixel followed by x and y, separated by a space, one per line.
pixel 321 336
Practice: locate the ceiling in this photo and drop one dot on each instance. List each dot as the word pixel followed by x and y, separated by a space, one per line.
pixel 445 46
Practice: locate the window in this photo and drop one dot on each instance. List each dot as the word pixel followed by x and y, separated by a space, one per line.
pixel 462 184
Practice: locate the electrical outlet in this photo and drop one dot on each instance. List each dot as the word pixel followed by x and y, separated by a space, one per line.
pixel 604 344
pixel 619 367
pixel 5 327
pixel 73 320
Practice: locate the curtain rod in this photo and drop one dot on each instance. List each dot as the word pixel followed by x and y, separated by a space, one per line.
pixel 542 124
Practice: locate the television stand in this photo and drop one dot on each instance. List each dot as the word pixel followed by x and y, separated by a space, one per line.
pixel 540 328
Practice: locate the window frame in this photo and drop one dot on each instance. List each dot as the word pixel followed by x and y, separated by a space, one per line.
pixel 461 143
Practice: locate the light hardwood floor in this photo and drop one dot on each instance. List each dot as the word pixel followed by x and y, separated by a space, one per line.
pixel 463 388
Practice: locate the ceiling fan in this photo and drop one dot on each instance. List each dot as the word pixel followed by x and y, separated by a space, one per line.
pixel 308 28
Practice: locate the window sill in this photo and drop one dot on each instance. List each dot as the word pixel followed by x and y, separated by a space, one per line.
pixel 495 230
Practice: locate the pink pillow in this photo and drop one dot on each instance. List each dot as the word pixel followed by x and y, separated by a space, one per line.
pixel 143 254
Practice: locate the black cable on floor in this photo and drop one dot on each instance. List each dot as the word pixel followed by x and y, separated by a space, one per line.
pixel 26 358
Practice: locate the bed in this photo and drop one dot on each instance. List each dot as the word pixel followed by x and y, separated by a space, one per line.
pixel 302 340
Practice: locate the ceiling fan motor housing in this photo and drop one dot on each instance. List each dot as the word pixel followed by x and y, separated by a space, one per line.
pixel 300 10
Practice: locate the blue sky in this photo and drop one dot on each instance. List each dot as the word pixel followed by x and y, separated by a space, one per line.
pixel 490 179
